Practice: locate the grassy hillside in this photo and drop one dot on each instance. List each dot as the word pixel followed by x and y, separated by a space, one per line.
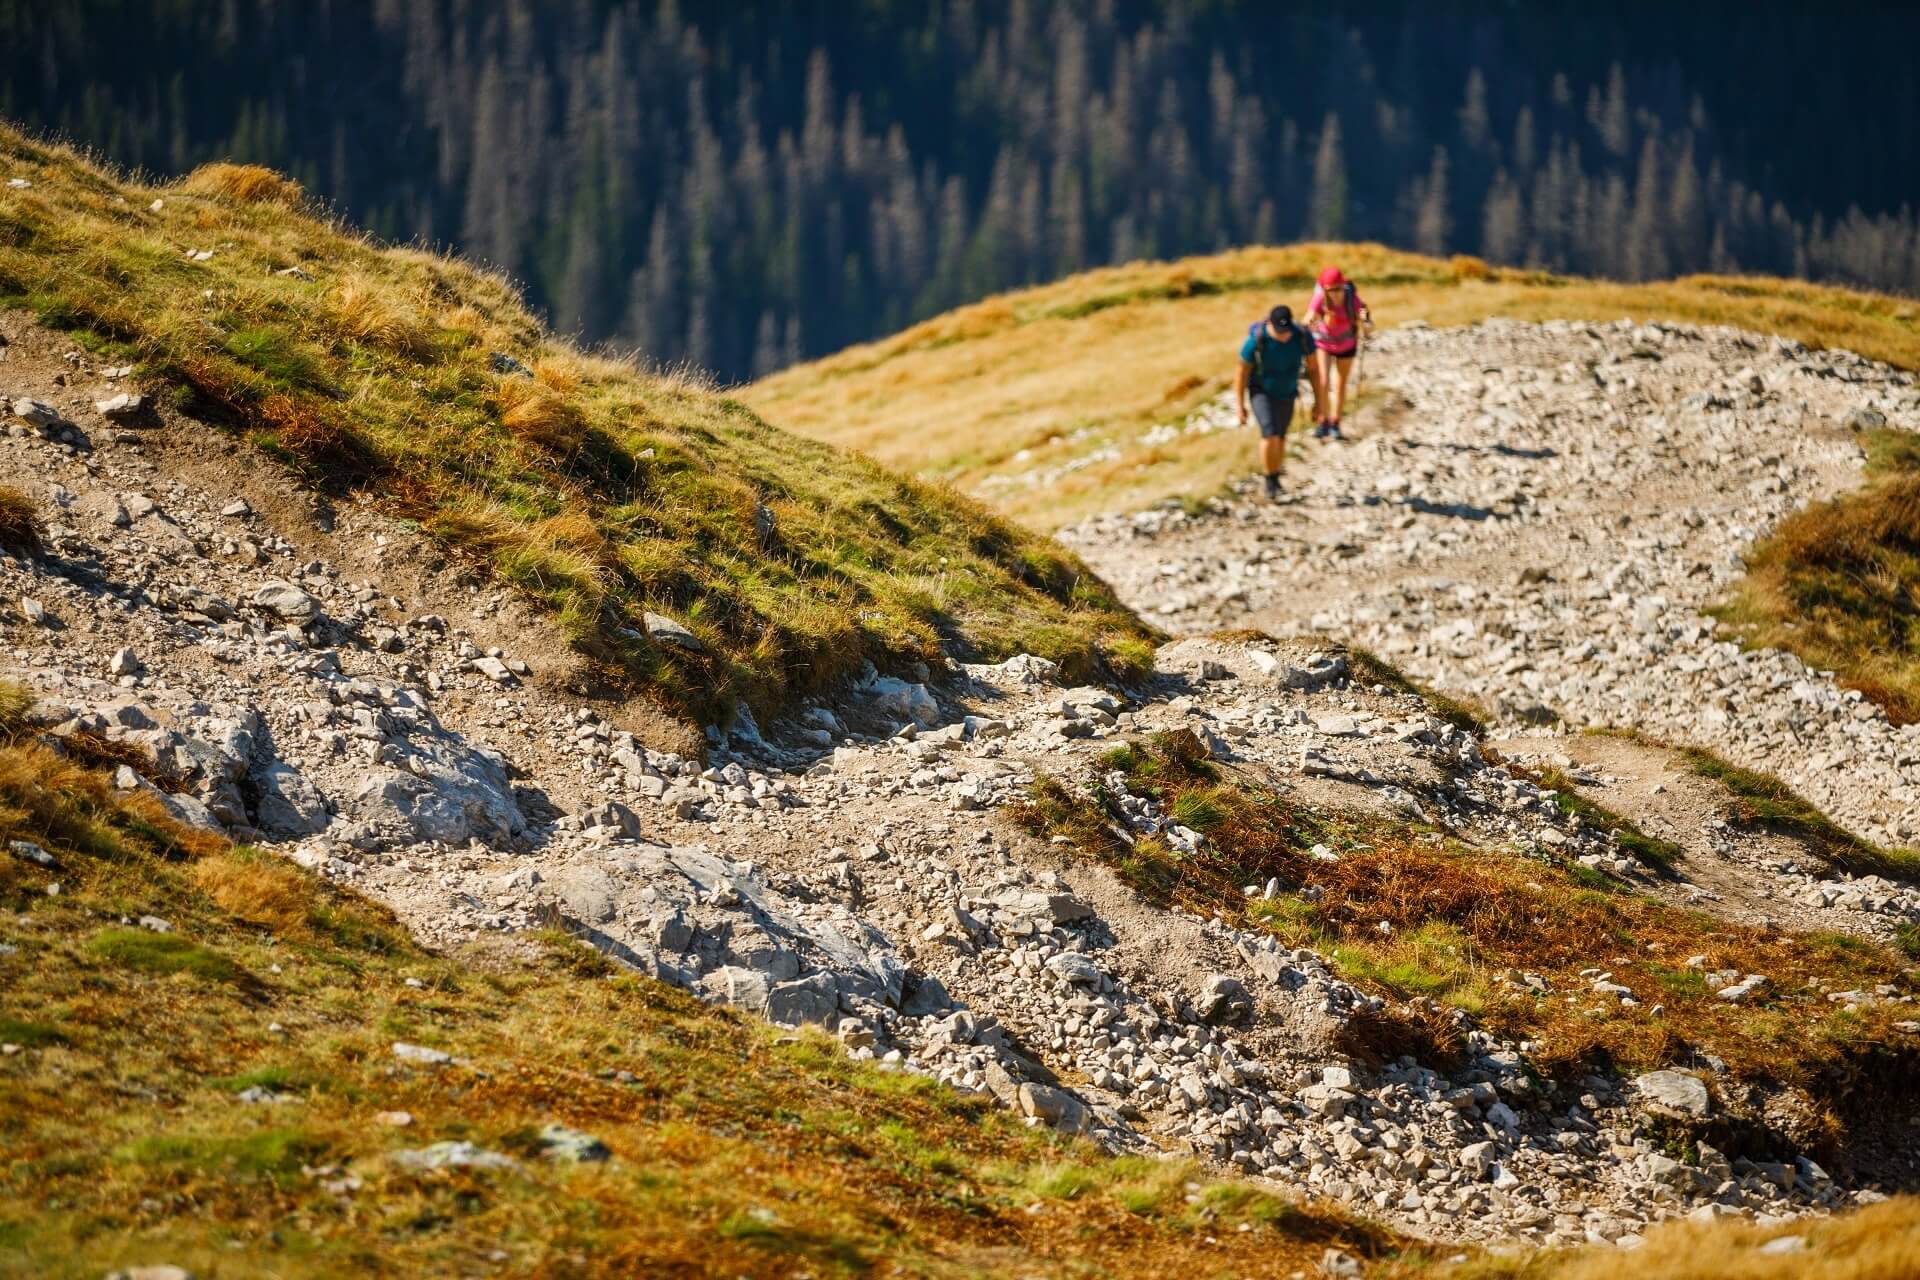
pixel 598 490
pixel 200 1069
pixel 1066 372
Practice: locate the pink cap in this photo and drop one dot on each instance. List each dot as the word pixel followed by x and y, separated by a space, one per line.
pixel 1331 277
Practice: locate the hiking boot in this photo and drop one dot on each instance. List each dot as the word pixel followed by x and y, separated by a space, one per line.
pixel 1273 488
pixel 1333 431
pixel 1321 430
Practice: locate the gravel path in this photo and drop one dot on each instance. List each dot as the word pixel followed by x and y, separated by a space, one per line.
pixel 1537 518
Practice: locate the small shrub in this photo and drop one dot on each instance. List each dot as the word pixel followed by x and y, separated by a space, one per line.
pixel 20 527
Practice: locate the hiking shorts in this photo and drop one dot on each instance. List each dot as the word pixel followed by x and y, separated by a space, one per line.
pixel 1274 416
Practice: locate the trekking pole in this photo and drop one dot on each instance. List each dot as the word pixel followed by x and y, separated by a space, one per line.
pixel 1359 352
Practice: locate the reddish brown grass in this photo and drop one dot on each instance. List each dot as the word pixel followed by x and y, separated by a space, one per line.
pixel 1417 915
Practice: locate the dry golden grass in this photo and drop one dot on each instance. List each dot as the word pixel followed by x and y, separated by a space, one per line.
pixel 1879 1242
pixel 370 311
pixel 539 416
pixel 20 527
pixel 15 701
pixel 1838 583
pixel 1094 361
pixel 245 184
pixel 257 888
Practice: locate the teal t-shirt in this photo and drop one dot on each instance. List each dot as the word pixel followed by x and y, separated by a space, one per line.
pixel 1279 365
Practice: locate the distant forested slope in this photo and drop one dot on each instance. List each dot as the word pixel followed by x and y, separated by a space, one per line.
pixel 741 185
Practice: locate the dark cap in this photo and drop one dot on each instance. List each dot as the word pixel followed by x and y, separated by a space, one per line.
pixel 1280 317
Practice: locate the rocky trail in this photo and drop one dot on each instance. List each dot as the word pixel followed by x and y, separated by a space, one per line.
pixel 1536 519
pixel 1539 524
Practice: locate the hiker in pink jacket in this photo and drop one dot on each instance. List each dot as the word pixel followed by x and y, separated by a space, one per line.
pixel 1335 317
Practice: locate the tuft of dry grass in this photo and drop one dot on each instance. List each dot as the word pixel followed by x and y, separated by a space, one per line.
pixel 257 888
pixel 368 311
pixel 539 416
pixel 20 527
pixel 244 184
pixel 16 700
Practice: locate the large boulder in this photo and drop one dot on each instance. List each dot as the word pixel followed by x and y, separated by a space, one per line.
pixel 1055 1107
pixel 814 999
pixel 586 892
pixel 904 701
pixel 290 806
pixel 1678 1094
pixel 451 795
pixel 286 602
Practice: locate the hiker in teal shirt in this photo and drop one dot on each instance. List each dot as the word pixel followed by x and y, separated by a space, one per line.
pixel 1271 359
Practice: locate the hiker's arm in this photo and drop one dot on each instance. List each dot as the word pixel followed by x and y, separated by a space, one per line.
pixel 1240 389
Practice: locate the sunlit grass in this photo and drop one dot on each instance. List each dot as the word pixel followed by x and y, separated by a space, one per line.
pixel 1109 354
pixel 597 488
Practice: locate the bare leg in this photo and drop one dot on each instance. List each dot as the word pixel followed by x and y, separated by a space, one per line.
pixel 1317 375
pixel 1342 367
pixel 1273 453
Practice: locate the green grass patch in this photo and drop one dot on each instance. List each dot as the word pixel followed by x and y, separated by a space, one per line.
pixel 164 953
pixel 1763 800
pixel 1628 838
pixel 270 1153
pixel 30 1035
pixel 275 1079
